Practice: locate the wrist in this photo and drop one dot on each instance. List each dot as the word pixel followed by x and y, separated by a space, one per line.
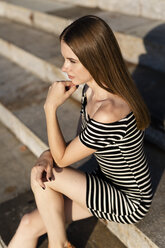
pixel 50 108
pixel 46 154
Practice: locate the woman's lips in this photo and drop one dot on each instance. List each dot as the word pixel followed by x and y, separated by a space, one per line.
pixel 70 77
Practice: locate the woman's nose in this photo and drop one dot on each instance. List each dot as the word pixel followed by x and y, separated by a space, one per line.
pixel 64 67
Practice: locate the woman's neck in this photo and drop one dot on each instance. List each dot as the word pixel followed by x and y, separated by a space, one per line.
pixel 97 93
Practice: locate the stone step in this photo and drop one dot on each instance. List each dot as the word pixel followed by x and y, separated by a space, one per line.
pixel 42 45
pixel 15 166
pixel 141 39
pixel 2 244
pixel 153 10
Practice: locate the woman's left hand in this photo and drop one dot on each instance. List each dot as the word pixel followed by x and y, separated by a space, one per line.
pixel 43 169
pixel 58 93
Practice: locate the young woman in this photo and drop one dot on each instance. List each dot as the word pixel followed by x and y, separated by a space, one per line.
pixel 114 118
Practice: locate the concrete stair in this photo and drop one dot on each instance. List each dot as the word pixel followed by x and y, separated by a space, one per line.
pixel 30 60
pixel 136 35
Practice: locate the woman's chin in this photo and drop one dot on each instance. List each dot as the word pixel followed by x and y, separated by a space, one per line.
pixel 77 82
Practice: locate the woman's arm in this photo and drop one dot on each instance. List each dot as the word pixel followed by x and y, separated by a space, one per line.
pixel 55 138
pixel 62 154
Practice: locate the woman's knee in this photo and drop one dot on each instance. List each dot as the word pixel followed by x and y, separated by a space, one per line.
pixel 28 228
pixel 25 223
pixel 34 184
pixel 24 232
pixel 31 225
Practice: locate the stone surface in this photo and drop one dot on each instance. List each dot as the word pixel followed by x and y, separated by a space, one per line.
pixel 88 3
pixel 15 166
pixel 40 5
pixel 74 12
pixel 125 7
pixel 22 132
pixel 136 35
pixel 153 9
pixel 2 244
pixel 33 41
pixel 151 85
pixel 123 23
pixel 30 17
pixel 153 225
pixel 41 68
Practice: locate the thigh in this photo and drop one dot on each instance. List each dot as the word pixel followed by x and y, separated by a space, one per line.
pixel 73 211
pixel 71 183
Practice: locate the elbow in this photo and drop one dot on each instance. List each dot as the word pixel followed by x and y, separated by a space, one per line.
pixel 60 163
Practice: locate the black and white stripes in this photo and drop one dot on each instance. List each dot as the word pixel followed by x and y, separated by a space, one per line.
pixel 121 189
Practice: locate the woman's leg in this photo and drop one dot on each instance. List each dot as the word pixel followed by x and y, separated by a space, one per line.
pixel 50 202
pixel 32 225
pixel 29 229
pixel 51 208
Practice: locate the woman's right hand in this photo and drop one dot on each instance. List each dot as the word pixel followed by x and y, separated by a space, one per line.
pixel 43 169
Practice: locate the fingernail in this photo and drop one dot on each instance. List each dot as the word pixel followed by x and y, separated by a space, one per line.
pixel 43 188
pixel 77 86
pixel 66 88
pixel 50 179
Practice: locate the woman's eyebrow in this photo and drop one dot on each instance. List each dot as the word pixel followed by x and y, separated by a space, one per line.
pixel 72 59
pixel 69 57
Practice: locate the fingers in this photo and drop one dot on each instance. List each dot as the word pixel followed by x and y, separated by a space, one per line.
pixel 49 173
pixel 42 172
pixel 65 89
pixel 39 175
pixel 70 91
pixel 67 84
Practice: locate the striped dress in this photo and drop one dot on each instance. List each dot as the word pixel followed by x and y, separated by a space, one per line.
pixel 120 190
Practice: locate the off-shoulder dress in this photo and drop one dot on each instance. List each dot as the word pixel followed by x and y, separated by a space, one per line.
pixel 120 190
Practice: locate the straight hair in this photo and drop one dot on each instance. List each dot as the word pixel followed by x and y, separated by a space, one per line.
pixel 94 43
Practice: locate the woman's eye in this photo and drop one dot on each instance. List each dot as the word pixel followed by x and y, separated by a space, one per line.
pixel 72 61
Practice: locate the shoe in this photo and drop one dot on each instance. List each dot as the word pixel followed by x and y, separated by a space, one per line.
pixel 68 245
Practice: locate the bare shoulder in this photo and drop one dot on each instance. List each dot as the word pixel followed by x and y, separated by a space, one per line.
pixel 109 112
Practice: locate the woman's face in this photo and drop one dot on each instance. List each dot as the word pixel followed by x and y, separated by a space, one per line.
pixel 76 72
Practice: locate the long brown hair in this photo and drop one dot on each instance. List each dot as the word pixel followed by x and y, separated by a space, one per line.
pixel 94 43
